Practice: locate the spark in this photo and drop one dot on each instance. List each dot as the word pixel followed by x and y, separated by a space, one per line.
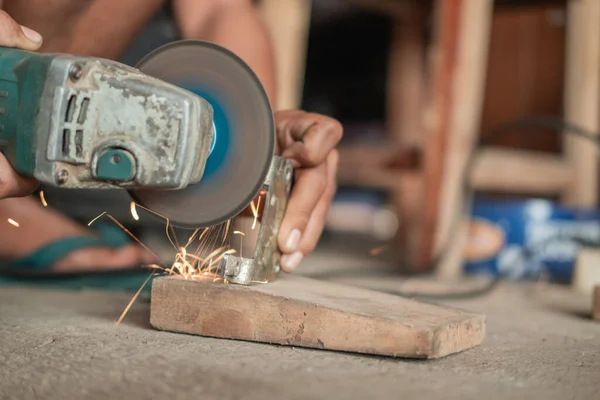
pixel 202 263
pixel 13 222
pixel 255 211
pixel 135 296
pixel 155 266
pixel 192 237
pixel 133 210
pixel 187 264
pixel 127 231
pixel 97 218
pixel 227 228
pixel 43 199
pixel 168 226
pixel 377 250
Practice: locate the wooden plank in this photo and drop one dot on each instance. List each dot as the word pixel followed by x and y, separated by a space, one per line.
pixel 463 121
pixel 288 22
pixel 521 171
pixel 298 311
pixel 596 304
pixel 582 97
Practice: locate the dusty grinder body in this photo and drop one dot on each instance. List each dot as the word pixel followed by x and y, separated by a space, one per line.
pixel 83 122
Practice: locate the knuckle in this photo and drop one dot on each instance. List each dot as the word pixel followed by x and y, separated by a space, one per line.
pixel 311 157
pixel 333 127
pixel 283 117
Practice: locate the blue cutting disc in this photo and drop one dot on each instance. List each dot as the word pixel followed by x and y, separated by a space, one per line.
pixel 244 133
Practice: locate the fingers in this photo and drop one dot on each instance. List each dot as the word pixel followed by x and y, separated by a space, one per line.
pixel 316 221
pixel 14 35
pixel 306 139
pixel 11 183
pixel 308 190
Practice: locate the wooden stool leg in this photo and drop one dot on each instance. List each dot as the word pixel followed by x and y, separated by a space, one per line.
pixel 288 21
pixel 404 118
pixel 582 98
pixel 462 121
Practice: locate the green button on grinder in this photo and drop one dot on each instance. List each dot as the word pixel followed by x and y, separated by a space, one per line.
pixel 116 165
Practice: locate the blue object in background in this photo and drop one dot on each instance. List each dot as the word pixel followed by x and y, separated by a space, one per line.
pixel 521 239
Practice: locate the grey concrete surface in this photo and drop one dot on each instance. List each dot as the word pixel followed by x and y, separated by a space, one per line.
pixel 540 344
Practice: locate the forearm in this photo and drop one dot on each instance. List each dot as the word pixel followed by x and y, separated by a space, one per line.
pixel 234 24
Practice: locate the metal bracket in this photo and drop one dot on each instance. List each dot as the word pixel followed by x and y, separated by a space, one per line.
pixel 264 265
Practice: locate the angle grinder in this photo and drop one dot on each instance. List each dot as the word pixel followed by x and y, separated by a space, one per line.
pixel 189 132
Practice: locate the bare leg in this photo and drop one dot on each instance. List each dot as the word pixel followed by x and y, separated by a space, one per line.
pixel 234 24
pixel 39 226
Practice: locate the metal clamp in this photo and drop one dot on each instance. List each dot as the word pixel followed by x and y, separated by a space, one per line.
pixel 264 265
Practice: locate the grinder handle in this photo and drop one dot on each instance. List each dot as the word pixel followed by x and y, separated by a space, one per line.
pixel 22 80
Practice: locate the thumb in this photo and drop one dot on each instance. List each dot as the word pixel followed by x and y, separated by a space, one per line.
pixel 14 35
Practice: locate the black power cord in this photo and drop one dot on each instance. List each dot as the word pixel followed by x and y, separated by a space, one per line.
pixel 493 136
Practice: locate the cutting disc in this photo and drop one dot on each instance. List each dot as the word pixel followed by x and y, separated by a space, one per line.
pixel 244 133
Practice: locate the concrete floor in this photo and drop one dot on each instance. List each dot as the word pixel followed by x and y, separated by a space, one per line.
pixel 65 345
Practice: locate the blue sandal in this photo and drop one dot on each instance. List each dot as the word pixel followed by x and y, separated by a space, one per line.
pixel 35 268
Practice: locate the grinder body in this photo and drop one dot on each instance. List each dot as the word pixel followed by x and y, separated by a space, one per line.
pixel 190 135
pixel 84 122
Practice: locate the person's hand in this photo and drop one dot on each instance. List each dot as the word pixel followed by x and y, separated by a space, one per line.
pixel 308 141
pixel 14 35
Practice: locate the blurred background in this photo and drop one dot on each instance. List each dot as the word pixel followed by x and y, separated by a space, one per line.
pixel 431 179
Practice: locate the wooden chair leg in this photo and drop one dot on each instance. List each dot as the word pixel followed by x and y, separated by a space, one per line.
pixel 458 96
pixel 465 120
pixel 288 21
pixel 582 98
pixel 404 118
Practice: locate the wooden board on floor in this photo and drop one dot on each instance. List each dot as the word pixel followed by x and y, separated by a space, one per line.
pixel 303 312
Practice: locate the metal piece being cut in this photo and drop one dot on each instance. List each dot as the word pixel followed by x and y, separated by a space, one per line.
pixel 244 133
pixel 264 265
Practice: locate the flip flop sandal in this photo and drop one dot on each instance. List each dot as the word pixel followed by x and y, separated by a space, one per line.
pixel 35 268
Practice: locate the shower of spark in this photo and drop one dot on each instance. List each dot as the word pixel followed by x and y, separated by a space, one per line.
pixel 199 259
